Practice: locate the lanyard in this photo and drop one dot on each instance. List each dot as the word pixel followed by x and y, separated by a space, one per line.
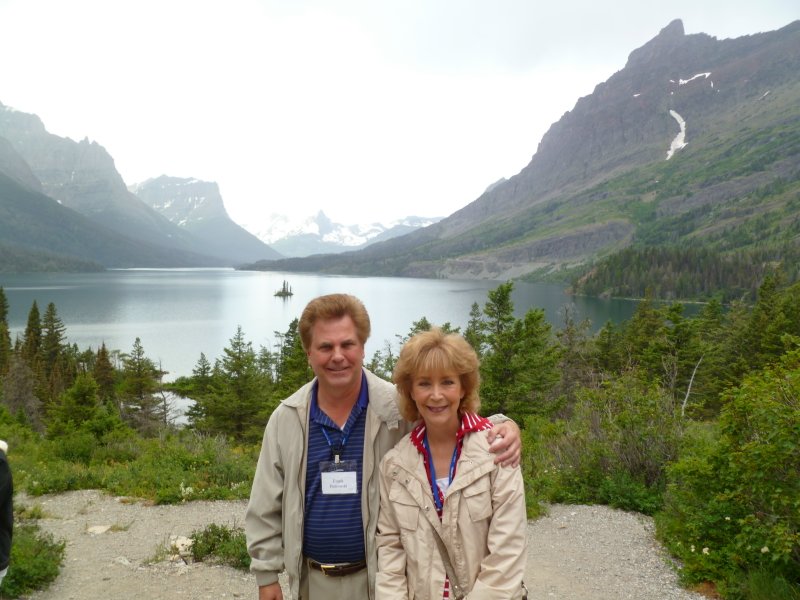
pixel 437 496
pixel 336 449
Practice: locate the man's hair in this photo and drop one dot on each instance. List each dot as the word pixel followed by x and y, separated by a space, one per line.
pixel 432 351
pixel 334 306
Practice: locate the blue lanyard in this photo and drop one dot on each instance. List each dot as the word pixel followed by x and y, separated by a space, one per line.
pixel 336 449
pixel 435 486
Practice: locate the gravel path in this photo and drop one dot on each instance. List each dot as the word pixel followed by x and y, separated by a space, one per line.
pixel 118 549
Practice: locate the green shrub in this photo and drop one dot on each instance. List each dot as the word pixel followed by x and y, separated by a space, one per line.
pixel 221 544
pixel 182 467
pixel 176 467
pixel 74 446
pixel 58 476
pixel 732 508
pixel 766 585
pixel 620 490
pixel 614 449
pixel 120 445
pixel 35 561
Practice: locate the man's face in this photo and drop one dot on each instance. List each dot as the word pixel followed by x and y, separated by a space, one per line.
pixel 336 355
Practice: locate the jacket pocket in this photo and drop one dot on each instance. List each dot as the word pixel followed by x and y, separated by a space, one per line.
pixel 478 498
pixel 406 510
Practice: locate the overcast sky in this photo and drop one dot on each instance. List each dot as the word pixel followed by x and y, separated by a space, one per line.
pixel 367 109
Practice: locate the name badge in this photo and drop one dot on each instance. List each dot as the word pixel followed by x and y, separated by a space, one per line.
pixel 339 477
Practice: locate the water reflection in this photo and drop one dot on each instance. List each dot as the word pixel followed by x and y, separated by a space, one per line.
pixel 178 314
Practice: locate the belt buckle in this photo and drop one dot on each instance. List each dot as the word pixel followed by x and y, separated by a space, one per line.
pixel 325 568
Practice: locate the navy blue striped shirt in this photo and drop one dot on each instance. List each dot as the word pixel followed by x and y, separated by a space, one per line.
pixel 333 531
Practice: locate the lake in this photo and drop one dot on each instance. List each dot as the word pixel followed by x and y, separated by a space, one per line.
pixel 179 313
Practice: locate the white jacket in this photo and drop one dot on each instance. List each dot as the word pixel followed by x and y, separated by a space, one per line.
pixel 483 525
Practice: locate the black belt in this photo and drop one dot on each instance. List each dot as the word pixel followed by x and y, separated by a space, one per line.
pixel 337 569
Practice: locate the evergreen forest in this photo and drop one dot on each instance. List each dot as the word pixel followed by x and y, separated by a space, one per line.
pixel 693 420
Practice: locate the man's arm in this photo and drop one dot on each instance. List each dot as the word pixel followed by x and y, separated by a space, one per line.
pixel 504 441
pixel 263 519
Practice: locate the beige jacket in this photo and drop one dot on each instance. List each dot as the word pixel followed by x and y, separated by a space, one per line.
pixel 274 517
pixel 483 525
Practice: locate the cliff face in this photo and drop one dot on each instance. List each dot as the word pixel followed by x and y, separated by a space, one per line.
pixel 197 207
pixel 626 122
pixel 186 218
pixel 15 167
pixel 82 176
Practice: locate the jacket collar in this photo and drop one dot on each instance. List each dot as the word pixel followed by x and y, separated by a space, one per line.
pixel 382 400
pixel 475 462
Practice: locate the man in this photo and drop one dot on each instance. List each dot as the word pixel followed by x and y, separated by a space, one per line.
pixel 313 508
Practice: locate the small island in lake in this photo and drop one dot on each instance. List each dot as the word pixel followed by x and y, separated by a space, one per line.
pixel 285 290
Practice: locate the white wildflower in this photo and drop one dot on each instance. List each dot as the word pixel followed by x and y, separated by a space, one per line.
pixel 186 492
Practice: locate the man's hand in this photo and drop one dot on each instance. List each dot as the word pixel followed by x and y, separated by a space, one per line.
pixel 270 592
pixel 504 441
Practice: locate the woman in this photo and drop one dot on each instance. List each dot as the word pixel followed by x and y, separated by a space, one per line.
pixel 440 478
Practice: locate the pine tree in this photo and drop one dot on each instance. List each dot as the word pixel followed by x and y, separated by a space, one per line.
pixel 520 360
pixel 197 388
pixel 105 376
pixel 202 374
pixel 19 393
pixel 138 390
pixel 77 405
pixel 5 334
pixel 574 364
pixel 710 366
pixel 238 393
pixel 52 354
pixel 474 333
pixel 53 337
pixel 32 338
pixel 3 306
pixel 293 369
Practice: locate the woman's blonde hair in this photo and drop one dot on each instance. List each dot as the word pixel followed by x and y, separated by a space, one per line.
pixel 432 351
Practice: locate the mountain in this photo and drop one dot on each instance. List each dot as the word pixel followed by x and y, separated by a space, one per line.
pixel 196 207
pixel 37 233
pixel 82 176
pixel 320 235
pixel 695 142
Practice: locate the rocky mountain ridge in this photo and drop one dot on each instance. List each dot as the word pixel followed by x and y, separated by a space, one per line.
pixel 81 177
pixel 600 178
pixel 318 234
pixel 197 207
pixel 185 217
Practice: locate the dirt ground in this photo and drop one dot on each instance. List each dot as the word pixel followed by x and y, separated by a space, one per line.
pixel 120 549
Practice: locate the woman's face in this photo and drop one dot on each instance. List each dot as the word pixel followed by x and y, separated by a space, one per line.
pixel 438 396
